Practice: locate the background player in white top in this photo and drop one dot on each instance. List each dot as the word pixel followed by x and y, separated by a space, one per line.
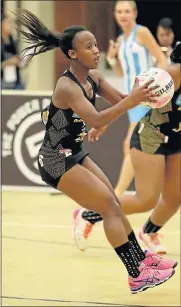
pixel 128 56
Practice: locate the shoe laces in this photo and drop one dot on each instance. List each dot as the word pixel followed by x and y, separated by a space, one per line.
pixel 150 272
pixel 153 259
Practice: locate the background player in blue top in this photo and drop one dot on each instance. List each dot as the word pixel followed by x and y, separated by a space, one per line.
pixel 131 54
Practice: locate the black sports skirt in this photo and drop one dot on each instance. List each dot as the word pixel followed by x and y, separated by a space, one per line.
pixel 54 163
pixel 148 139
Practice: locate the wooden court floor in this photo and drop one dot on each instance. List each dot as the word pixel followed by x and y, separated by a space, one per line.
pixel 42 267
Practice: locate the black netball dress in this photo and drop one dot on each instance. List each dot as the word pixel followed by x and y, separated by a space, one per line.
pixel 159 132
pixel 62 145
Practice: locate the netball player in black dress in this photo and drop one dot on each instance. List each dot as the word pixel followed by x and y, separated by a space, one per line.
pixel 64 164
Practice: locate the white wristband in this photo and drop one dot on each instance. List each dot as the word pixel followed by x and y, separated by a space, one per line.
pixel 111 62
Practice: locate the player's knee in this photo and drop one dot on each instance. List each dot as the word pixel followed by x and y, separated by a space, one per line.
pixel 148 202
pixel 177 200
pixel 109 205
pixel 173 201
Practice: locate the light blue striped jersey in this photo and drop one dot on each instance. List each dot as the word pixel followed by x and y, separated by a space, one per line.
pixel 134 58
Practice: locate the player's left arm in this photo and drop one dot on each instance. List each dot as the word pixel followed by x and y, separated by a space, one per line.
pixel 145 37
pixel 106 90
pixel 110 94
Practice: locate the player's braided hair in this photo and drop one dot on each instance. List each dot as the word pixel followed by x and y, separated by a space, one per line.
pixel 40 39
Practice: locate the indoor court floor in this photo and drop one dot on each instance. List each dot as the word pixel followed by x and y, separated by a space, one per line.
pixel 41 266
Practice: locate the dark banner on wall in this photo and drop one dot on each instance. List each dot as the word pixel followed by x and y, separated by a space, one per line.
pixel 23 132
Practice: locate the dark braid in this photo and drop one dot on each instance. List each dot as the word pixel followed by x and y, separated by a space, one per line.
pixel 40 38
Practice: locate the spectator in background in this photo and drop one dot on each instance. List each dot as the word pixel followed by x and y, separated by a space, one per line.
pixel 10 60
pixel 165 35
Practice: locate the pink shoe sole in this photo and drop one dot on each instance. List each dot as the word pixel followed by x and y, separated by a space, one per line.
pixel 144 288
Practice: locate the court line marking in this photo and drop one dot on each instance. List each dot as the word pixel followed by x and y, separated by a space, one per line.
pixel 14 224
pixel 55 226
pixel 69 301
pixel 108 248
pixel 53 242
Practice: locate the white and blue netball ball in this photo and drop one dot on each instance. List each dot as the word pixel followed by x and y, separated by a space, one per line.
pixel 165 91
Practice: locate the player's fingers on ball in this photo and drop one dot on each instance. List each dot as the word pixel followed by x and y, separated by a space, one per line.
pixel 148 83
pixel 154 87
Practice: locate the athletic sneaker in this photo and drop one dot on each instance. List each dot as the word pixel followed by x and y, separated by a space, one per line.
pixel 148 278
pixel 154 261
pixel 151 240
pixel 81 229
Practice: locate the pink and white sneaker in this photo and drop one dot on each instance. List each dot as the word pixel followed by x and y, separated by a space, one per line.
pixel 156 262
pixel 81 229
pixel 148 278
pixel 151 240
